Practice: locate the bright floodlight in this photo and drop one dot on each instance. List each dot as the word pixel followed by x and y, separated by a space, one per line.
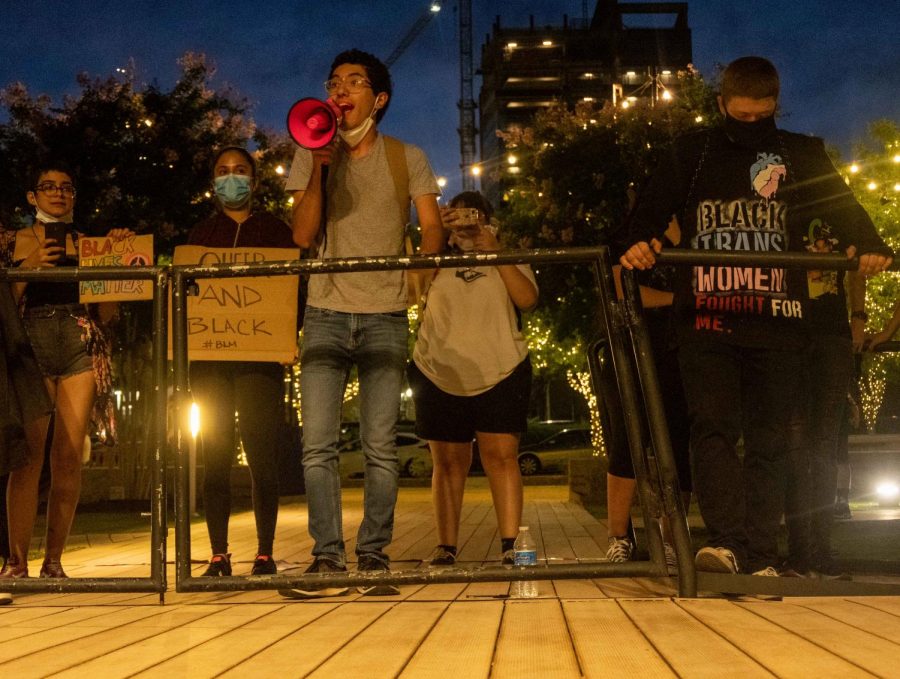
pixel 435 7
pixel 887 490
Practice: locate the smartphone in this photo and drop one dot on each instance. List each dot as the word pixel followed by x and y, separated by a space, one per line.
pixel 465 216
pixel 56 231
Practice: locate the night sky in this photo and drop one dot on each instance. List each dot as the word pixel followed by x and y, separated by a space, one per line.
pixel 839 61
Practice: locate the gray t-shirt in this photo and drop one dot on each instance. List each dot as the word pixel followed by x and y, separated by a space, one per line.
pixel 363 220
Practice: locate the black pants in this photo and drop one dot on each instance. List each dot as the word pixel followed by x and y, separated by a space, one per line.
pixel 730 391
pixel 815 439
pixel 255 391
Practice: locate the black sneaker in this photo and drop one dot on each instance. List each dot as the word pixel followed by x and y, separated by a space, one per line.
pixel 508 558
pixel 219 566
pixel 320 565
pixel 264 564
pixel 372 562
pixel 442 556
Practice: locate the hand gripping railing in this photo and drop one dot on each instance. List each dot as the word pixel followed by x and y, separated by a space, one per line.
pixel 157 580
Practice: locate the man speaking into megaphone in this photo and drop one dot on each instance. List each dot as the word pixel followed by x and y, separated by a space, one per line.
pixel 355 318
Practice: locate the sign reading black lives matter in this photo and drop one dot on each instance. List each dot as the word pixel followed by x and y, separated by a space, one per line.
pixel 241 319
pixel 105 251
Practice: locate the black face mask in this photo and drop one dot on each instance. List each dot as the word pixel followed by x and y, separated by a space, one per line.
pixel 750 135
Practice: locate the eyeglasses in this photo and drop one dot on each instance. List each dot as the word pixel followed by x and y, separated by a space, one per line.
pixel 354 84
pixel 52 189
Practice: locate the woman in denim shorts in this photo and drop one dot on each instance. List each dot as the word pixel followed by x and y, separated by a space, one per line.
pixel 73 355
pixel 471 377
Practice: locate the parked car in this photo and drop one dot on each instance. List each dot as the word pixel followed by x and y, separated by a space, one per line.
pixel 412 451
pixel 553 453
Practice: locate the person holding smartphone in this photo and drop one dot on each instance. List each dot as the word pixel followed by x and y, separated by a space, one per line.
pixel 471 376
pixel 73 354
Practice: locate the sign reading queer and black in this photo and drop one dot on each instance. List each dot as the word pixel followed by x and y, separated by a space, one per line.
pixel 104 251
pixel 241 319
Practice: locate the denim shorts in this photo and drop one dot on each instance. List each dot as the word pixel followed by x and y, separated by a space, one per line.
pixel 56 338
pixel 502 409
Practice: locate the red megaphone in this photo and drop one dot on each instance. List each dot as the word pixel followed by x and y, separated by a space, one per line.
pixel 312 123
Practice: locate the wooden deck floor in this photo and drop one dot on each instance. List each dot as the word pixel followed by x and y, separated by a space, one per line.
pixel 593 628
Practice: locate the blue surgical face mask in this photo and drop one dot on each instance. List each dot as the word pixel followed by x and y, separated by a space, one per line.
pixel 233 190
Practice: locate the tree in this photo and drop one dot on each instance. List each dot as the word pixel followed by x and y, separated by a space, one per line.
pixel 141 154
pixel 875 179
pixel 578 173
pixel 142 159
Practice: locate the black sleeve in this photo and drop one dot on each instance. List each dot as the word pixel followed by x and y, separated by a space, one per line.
pixel 666 192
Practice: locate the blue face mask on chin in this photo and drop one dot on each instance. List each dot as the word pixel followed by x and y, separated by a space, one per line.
pixel 233 190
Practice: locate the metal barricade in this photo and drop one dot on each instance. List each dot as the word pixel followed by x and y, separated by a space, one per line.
pixel 156 582
pixel 608 308
pixel 630 352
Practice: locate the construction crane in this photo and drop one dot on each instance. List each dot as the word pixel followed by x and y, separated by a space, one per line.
pixel 466 103
pixel 433 8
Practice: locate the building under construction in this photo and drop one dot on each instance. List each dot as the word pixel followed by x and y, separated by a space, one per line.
pixel 624 51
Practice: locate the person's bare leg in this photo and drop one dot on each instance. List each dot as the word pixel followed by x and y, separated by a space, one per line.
pixel 448 481
pixel 499 457
pixel 75 399
pixel 619 496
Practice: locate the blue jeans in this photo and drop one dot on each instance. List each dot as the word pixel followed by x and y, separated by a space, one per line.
pixel 332 343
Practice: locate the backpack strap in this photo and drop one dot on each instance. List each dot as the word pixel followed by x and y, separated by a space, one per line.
pixel 396 160
pixel 395 151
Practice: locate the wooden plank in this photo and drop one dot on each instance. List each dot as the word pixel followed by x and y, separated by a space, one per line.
pixel 622 587
pixel 16 637
pixel 688 646
pixel 14 616
pixel 239 644
pixel 534 642
pixel 587 548
pixel 485 590
pixel 577 589
pixel 466 630
pixel 110 635
pixel 168 642
pixel 608 643
pixel 386 645
pixel 776 649
pixel 856 646
pixel 445 592
pixel 879 623
pixel 309 645
pixel 882 603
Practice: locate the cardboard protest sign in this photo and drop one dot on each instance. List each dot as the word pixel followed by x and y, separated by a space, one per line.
pixel 241 319
pixel 104 251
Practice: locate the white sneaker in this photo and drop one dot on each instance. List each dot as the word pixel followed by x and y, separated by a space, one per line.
pixel 716 560
pixel 768 572
pixel 5 598
pixel 619 550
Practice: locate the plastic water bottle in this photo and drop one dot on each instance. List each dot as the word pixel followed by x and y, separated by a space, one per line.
pixel 525 555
